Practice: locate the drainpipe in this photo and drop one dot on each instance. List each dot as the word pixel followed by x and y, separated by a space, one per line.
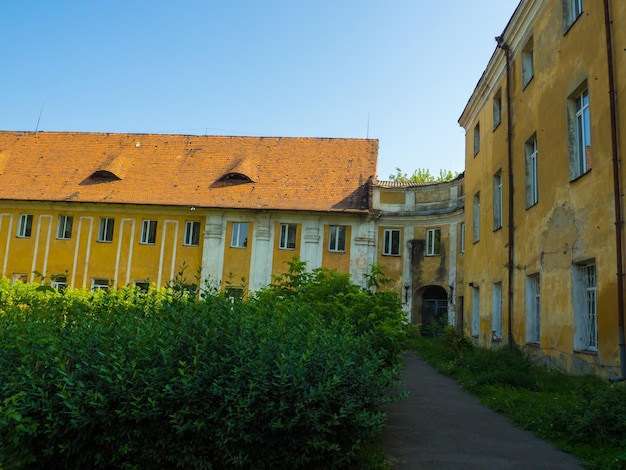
pixel 619 221
pixel 511 225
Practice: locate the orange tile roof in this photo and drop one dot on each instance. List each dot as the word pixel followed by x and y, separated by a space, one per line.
pixel 287 173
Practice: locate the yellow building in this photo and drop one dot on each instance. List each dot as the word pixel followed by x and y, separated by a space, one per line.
pixel 544 185
pixel 93 210
pixel 420 235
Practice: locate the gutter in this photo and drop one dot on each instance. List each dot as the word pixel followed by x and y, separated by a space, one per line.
pixel 511 225
pixel 617 189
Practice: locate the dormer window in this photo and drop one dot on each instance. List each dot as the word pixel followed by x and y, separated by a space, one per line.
pixel 101 176
pixel 232 179
pixel 235 178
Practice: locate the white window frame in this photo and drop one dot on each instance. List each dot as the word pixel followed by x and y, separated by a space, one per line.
pixel 148 232
pixel 532 178
pixel 392 239
pixel 433 242
pixel 496 311
pixel 580 130
pixel 337 238
pixel 585 298
pixel 497 200
pixel 476 138
pixel 59 283
pixel 572 9
pixel 192 233
pixel 533 309
pixel 288 236
pixel 528 63
pixel 19 277
pixel 25 226
pixel 475 311
pixel 105 229
pixel 99 283
pixel 476 217
pixel 64 227
pixel 497 109
pixel 239 236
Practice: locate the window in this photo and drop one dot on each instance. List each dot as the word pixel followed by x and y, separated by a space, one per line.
pixel 391 245
pixel 105 231
pixel 234 294
pixel 19 277
pixel 580 135
pixel 462 237
pixel 337 238
pixel 497 109
pixel 142 285
pixel 288 236
pixel 572 9
pixel 476 216
pixel 475 311
pixel 476 139
pixel 528 63
pixel 497 200
pixel 99 284
pixel 64 227
pixel 532 183
pixel 533 309
pixel 239 238
pixel 192 234
pixel 433 241
pixel 25 226
pixel 148 232
pixel 585 307
pixel 496 312
pixel 59 283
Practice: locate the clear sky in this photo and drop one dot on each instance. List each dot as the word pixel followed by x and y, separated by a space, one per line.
pixel 400 71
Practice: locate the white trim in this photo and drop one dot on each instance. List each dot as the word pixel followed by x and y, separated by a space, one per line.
pixel 76 250
pixel 162 250
pixel 119 251
pixel 6 250
pixel 36 248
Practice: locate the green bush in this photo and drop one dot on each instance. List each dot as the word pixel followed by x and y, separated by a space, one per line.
pixel 291 378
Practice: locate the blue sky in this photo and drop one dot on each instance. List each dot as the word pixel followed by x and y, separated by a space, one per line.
pixel 400 71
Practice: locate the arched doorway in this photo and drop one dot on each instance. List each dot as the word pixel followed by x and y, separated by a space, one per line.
pixel 434 306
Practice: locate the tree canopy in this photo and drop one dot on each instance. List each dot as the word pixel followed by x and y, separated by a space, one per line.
pixel 423 175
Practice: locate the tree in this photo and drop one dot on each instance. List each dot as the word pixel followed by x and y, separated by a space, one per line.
pixel 422 175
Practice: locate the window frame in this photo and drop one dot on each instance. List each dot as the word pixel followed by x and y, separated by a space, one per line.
pixel 25 226
pixel 531 154
pixel 476 217
pixel 191 235
pixel 580 132
pixel 497 109
pixel 148 232
pixel 388 242
pixel 496 311
pixel 585 298
pixel 59 283
pixel 572 10
pixel 462 237
pixel 98 283
pixel 106 229
pixel 236 240
pixel 337 234
pixel 533 309
pixel 528 63
pixel 477 138
pixel 497 200
pixel 288 239
pixel 64 227
pixel 433 242
pixel 475 325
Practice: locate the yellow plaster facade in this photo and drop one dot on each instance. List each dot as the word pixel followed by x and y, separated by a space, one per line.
pixel 541 259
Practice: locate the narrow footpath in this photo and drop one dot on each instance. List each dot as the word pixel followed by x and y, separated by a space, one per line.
pixel 440 426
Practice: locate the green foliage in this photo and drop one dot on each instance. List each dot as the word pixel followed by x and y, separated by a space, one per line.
pixel 582 415
pixel 290 378
pixel 423 175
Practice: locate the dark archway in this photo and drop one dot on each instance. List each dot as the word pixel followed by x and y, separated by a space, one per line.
pixel 434 307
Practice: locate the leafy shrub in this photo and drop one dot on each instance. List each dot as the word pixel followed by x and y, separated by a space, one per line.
pixel 291 378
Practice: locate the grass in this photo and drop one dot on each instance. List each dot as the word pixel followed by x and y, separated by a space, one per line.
pixel 582 415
